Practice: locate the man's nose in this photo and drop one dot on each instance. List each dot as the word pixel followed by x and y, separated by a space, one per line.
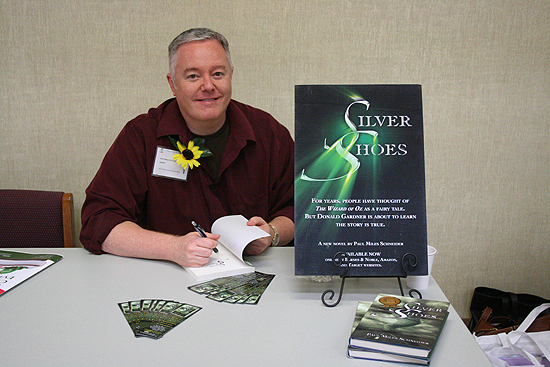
pixel 207 84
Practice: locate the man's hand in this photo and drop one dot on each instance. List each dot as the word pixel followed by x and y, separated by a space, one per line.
pixel 258 246
pixel 193 251
pixel 129 239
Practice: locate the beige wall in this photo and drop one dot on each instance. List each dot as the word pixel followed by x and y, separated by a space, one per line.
pixel 72 73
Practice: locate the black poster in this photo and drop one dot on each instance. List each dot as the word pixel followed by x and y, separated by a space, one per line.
pixel 360 197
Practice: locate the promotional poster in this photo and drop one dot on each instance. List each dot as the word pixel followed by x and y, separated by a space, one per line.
pixel 360 197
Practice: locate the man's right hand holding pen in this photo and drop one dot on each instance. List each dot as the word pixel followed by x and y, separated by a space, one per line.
pixel 198 247
pixel 191 250
pixel 202 232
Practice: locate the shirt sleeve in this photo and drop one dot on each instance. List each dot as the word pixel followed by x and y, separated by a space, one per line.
pixel 117 192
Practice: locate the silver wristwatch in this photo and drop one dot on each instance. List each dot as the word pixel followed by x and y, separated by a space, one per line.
pixel 275 240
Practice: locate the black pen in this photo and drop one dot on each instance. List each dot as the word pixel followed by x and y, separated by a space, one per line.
pixel 202 233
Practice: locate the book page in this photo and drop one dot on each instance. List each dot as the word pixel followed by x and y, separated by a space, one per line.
pixel 223 263
pixel 235 234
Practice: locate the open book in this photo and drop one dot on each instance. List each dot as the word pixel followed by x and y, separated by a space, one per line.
pixel 235 235
pixel 16 267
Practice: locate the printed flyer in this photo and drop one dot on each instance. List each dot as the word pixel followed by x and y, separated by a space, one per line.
pixel 360 197
pixel 16 267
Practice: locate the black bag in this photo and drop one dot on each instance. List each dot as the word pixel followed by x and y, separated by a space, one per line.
pixel 505 304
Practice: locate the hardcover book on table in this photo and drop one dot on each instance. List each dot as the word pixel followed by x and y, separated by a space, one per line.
pixel 363 353
pixel 360 197
pixel 402 326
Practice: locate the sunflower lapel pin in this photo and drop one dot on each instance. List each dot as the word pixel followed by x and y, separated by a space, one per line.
pixel 189 155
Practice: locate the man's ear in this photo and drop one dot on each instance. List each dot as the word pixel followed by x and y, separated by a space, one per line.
pixel 171 82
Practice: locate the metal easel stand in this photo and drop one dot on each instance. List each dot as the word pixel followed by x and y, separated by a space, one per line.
pixel 408 261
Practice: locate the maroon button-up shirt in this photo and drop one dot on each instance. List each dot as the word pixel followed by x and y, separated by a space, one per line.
pixel 256 176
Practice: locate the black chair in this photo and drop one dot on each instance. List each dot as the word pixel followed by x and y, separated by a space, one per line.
pixel 33 218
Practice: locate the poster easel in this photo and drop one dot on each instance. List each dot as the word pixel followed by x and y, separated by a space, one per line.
pixel 408 261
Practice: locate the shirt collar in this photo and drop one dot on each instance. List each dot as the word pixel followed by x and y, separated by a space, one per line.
pixel 172 123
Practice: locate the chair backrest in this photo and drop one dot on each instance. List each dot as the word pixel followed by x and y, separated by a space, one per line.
pixel 32 218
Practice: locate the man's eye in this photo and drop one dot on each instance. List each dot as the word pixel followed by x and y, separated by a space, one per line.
pixel 218 74
pixel 192 76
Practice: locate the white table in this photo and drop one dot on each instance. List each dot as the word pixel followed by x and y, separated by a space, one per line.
pixel 68 315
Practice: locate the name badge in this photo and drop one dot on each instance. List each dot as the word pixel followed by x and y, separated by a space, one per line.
pixel 166 167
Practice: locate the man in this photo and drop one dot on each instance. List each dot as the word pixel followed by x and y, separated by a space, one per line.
pixel 131 212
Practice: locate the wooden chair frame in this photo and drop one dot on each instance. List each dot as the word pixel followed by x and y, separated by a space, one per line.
pixel 67 208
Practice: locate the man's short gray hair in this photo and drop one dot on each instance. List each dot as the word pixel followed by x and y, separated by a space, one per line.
pixel 195 34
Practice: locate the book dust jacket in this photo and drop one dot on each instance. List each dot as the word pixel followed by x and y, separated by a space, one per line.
pixel 360 197
pixel 401 325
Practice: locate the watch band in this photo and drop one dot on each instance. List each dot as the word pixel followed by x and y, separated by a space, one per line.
pixel 275 239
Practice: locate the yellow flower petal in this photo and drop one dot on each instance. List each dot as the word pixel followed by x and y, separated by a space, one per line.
pixel 197 154
pixel 180 160
pixel 193 163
